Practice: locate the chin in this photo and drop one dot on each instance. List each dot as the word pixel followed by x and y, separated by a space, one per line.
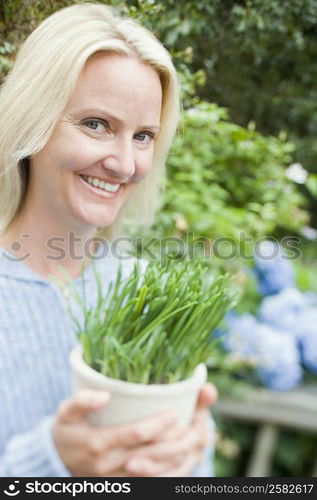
pixel 100 221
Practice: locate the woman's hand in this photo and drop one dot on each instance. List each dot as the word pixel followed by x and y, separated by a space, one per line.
pixel 178 450
pixel 100 451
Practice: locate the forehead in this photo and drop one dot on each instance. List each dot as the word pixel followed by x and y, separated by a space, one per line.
pixel 119 83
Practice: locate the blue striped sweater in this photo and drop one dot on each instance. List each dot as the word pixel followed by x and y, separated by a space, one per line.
pixel 36 336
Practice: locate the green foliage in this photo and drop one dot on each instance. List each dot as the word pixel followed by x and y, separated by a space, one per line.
pixel 306 270
pixel 234 443
pixel 154 326
pixel 288 463
pixel 234 446
pixel 257 58
pixel 311 185
pixel 250 296
pixel 226 180
pixel 6 50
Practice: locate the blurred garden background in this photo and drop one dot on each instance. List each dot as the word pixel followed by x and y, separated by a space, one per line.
pixel 241 192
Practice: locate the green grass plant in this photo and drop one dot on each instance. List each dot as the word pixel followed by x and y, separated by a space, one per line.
pixel 155 326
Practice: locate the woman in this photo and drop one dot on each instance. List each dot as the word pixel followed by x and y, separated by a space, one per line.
pixel 87 116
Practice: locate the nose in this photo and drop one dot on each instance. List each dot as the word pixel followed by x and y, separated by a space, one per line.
pixel 120 160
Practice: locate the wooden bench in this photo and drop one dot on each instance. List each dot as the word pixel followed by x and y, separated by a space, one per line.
pixel 272 411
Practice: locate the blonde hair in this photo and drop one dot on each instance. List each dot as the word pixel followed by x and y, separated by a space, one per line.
pixel 43 78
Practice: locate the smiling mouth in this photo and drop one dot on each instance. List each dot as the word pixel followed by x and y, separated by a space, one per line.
pixel 98 183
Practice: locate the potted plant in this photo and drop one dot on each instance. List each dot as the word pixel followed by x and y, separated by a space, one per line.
pixel 148 337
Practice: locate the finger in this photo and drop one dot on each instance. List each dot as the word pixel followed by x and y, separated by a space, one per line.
pixel 173 433
pixel 140 432
pixel 208 395
pixel 112 461
pixel 75 408
pixel 167 450
pixel 201 425
pixel 177 432
pixel 145 467
pixel 182 469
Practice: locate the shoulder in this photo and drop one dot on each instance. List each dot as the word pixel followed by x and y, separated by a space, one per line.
pixel 15 270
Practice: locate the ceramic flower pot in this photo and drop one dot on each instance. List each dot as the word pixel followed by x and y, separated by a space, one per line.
pixel 132 401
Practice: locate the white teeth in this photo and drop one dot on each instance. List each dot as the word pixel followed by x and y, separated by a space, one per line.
pixel 106 186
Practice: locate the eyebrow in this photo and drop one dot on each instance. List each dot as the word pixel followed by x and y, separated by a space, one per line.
pixel 98 112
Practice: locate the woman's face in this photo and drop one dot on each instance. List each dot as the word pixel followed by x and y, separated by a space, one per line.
pixel 103 145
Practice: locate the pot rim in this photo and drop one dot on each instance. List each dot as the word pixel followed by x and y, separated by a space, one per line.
pixel 100 381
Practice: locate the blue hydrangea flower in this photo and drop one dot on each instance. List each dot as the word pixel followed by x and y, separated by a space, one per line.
pixel 273 270
pixel 283 338
pixel 280 366
pixel 294 313
pixel 274 354
pixel 311 298
pixel 282 311
pixel 240 334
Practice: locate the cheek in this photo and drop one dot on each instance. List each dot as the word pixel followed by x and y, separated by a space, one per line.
pixel 78 154
pixel 144 164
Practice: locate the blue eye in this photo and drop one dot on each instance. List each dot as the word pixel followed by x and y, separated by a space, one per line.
pixel 145 137
pixel 95 125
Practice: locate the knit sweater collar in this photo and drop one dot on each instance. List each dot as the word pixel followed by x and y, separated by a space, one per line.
pixel 14 268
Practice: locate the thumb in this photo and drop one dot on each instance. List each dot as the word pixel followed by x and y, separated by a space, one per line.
pixel 208 396
pixel 84 401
